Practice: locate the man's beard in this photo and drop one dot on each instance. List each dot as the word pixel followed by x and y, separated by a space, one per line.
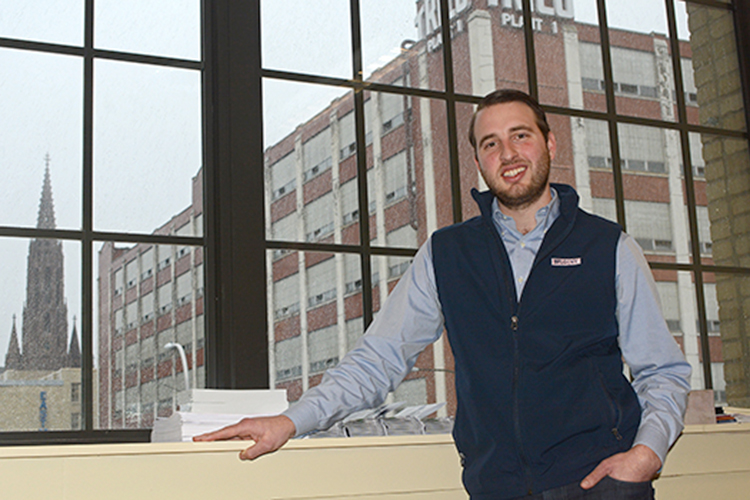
pixel 534 191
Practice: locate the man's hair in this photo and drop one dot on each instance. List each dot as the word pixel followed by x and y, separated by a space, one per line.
pixel 503 96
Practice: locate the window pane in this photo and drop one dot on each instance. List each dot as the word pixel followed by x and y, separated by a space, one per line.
pixel 431 380
pixel 41 131
pixel 656 215
pixel 716 334
pixel 677 296
pixel 716 80
pixel 488 47
pixel 40 387
pixel 307 37
pixel 169 28
pixel 394 48
pixel 148 296
pixel 470 177
pixel 318 154
pixel 560 47
pixel 147 145
pixel 592 158
pixel 314 316
pixel 641 60
pixel 55 22
pixel 407 168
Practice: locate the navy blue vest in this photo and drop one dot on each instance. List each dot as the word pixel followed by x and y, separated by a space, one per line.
pixel 541 394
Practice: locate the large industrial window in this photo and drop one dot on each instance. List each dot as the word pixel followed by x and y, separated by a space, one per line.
pixel 365 111
pixel 102 226
pixel 247 181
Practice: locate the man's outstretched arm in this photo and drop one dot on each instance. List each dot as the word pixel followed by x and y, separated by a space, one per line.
pixel 269 434
pixel 409 321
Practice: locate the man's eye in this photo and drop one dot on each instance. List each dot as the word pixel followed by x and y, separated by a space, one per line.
pixel 489 144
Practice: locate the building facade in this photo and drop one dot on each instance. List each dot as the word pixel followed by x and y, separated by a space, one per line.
pixel 150 296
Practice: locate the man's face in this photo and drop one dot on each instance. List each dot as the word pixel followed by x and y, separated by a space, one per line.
pixel 512 154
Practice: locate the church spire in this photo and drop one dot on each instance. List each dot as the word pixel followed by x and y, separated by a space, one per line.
pixel 46 218
pixel 44 330
pixel 13 359
pixel 74 351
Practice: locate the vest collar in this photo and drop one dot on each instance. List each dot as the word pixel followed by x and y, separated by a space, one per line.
pixel 568 203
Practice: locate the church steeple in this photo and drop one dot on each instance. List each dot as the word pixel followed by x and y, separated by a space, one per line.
pixel 44 332
pixel 13 359
pixel 74 351
pixel 46 218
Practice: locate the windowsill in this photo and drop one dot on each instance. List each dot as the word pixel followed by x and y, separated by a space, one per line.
pixel 708 461
pixel 404 467
pixel 124 449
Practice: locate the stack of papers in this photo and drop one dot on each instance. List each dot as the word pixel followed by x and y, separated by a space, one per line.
pixel 212 409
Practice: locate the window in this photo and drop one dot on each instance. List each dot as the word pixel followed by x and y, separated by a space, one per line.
pixel 362 157
pixel 75 392
pixel 628 122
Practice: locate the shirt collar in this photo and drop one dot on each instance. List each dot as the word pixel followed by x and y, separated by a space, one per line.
pixel 545 216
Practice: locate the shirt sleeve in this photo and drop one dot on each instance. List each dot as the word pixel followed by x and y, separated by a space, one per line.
pixel 661 376
pixel 410 319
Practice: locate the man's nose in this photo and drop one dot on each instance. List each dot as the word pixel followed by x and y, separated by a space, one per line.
pixel 508 151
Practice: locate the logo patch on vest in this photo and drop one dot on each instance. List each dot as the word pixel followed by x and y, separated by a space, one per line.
pixel 561 262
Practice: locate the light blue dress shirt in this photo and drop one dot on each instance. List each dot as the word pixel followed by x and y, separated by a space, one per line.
pixel 412 318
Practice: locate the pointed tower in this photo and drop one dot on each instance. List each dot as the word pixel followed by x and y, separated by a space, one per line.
pixel 46 217
pixel 13 359
pixel 74 351
pixel 45 313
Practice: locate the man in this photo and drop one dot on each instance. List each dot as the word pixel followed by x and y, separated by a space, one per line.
pixel 540 302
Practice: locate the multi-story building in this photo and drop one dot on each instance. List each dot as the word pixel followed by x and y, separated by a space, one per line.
pixel 150 296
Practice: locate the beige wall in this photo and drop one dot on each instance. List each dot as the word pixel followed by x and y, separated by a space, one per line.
pixel 707 462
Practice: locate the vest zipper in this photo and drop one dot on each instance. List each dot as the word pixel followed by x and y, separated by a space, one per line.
pixel 516 409
pixel 514 306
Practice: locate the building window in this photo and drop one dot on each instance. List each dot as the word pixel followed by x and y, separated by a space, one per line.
pixel 75 392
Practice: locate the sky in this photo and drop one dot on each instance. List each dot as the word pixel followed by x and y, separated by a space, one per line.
pixel 147 137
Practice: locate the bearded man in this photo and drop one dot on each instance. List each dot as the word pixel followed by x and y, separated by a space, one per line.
pixel 541 302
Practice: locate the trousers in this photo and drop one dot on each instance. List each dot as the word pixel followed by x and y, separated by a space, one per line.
pixel 606 489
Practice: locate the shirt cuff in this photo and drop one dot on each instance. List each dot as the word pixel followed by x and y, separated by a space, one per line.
pixel 650 435
pixel 302 417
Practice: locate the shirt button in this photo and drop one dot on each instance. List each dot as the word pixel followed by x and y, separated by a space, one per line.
pixel 520 280
pixel 523 244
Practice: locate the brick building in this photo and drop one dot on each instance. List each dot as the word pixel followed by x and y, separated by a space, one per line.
pixel 149 296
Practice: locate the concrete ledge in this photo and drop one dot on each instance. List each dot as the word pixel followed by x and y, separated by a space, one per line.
pixel 708 461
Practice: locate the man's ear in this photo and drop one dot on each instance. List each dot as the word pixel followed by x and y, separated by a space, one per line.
pixel 551 145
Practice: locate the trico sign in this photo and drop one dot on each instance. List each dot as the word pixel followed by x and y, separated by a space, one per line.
pixel 558 8
pixel 428 15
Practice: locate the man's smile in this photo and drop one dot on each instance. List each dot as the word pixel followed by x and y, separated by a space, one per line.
pixel 513 172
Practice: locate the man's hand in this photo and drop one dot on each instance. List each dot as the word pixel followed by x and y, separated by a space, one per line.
pixel 636 465
pixel 269 434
